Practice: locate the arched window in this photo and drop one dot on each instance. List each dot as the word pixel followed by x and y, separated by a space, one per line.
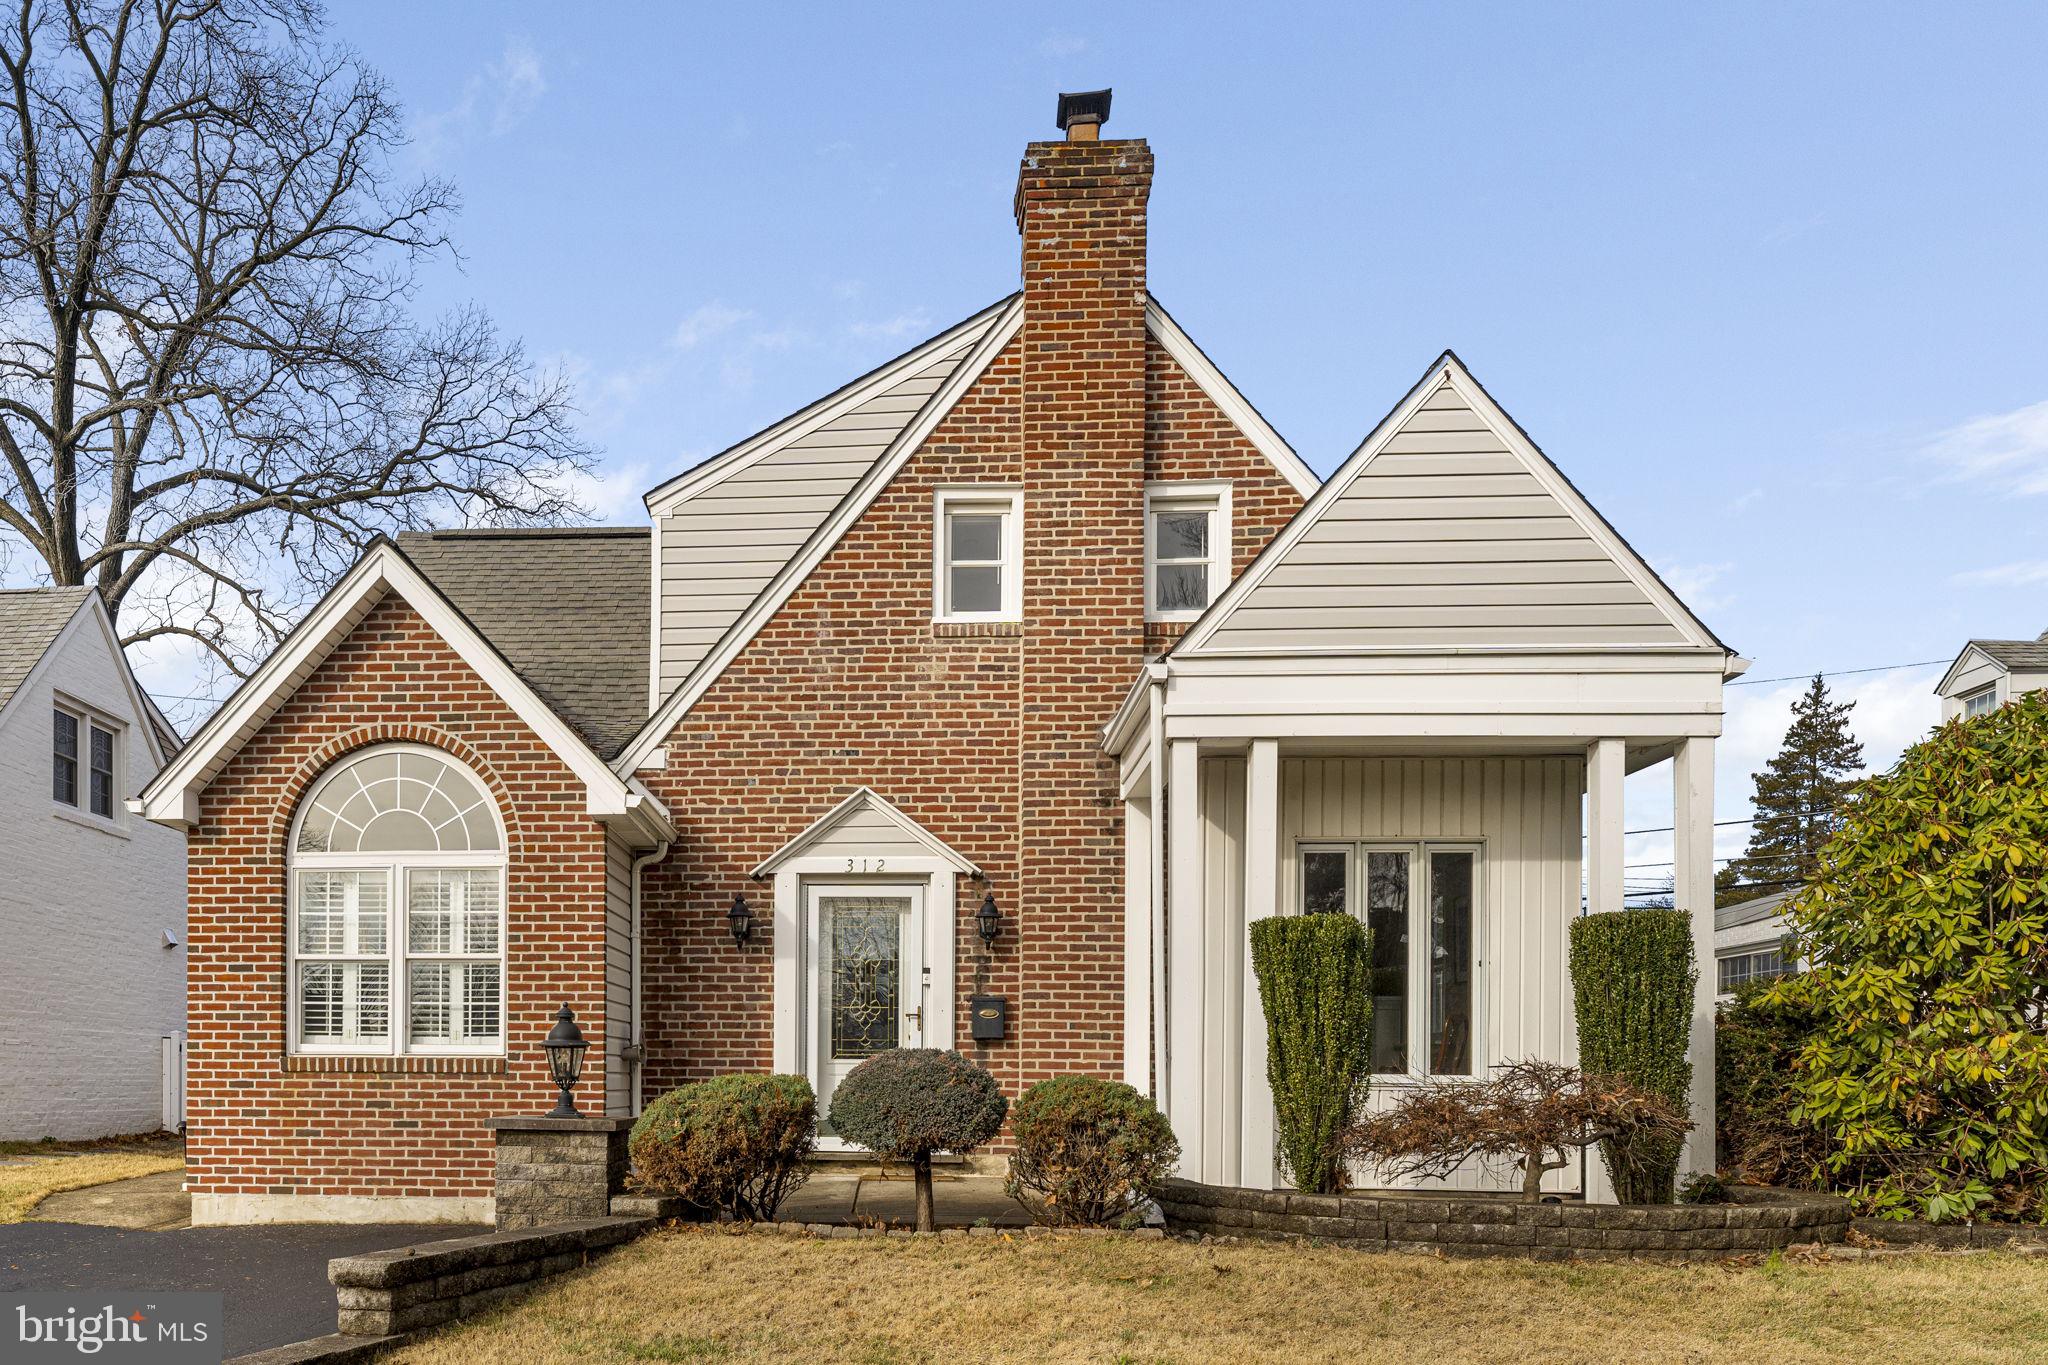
pixel 397 869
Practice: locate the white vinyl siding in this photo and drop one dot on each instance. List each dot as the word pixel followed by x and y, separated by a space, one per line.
pixel 618 975
pixel 1445 538
pixel 720 546
pixel 866 833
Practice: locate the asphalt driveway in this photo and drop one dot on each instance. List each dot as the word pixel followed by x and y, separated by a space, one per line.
pixel 273 1279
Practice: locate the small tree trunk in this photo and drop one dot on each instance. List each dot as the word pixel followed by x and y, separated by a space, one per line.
pixel 921 1168
pixel 1533 1169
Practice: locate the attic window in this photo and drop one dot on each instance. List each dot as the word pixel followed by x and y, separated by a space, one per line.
pixel 1187 548
pixel 1982 702
pixel 978 570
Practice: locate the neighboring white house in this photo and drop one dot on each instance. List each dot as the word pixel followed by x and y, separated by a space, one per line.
pixel 1990 673
pixel 92 897
pixel 1749 942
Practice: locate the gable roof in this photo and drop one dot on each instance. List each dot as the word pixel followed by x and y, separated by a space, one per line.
pixel 1447 529
pixel 172 798
pixel 31 619
pixel 566 607
pixel 1224 394
pixel 1752 911
pixel 2014 656
pixel 866 812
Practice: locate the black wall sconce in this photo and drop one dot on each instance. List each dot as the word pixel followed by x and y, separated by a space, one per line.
pixel 988 921
pixel 740 920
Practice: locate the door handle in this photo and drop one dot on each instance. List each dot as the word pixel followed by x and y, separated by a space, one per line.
pixel 917 1015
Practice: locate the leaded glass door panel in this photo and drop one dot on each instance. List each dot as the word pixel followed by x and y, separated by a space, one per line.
pixel 867 968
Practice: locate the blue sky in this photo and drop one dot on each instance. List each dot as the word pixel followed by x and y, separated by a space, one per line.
pixel 1767 281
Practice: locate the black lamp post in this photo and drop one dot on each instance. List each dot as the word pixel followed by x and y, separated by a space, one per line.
pixel 565 1047
pixel 988 921
pixel 740 920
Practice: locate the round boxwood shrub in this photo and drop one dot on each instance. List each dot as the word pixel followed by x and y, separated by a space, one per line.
pixel 910 1102
pixel 1632 984
pixel 733 1144
pixel 1926 926
pixel 1088 1152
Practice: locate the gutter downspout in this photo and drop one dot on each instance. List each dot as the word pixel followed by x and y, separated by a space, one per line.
pixel 637 1049
pixel 1156 731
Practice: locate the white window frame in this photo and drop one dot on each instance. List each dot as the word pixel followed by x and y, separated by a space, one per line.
pixel 1005 502
pixel 396 869
pixel 1967 704
pixel 88 719
pixel 1212 498
pixel 1747 957
pixel 1418 851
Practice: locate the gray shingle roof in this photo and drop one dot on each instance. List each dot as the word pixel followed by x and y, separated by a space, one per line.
pixel 567 608
pixel 2023 656
pixel 1749 912
pixel 30 620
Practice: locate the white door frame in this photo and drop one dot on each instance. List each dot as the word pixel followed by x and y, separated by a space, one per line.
pixel 792 1049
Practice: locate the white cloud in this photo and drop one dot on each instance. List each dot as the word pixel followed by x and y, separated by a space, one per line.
pixel 519 83
pixel 705 322
pixel 2024 573
pixel 613 492
pixel 2008 450
pixel 1694 583
pixel 892 329
pixel 512 85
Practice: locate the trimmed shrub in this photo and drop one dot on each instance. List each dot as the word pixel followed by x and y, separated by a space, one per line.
pixel 1088 1152
pixel 1315 984
pixel 910 1102
pixel 1632 985
pixel 1927 930
pixel 1757 1041
pixel 733 1144
pixel 1703 1187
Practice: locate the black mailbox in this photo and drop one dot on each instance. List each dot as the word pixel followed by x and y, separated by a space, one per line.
pixel 991 1015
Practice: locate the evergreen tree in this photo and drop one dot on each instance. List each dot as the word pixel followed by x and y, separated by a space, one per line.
pixel 1799 797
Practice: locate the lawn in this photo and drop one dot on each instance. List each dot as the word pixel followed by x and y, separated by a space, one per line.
pixel 41 1172
pixel 698 1294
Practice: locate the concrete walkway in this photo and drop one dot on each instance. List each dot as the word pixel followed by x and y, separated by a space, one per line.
pixel 150 1202
pixel 866 1199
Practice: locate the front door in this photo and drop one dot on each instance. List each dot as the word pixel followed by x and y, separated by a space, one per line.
pixel 867 978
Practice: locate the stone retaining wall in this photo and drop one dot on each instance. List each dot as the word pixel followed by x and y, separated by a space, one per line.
pixel 384 1293
pixel 1465 1225
pixel 552 1170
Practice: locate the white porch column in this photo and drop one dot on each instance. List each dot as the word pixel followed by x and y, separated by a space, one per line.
pixel 1261 901
pixel 1692 779
pixel 1184 948
pixel 1138 945
pixel 1604 777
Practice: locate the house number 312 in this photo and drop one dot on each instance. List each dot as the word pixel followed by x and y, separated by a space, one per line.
pixel 866 864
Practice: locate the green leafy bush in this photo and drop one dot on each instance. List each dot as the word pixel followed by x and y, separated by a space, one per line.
pixel 1927 929
pixel 1757 1041
pixel 910 1102
pixel 732 1144
pixel 1315 983
pixel 1632 985
pixel 1088 1151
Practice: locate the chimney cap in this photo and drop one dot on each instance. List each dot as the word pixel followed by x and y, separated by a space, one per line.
pixel 1083 106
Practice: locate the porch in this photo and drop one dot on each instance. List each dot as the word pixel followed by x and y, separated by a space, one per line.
pixel 1466 808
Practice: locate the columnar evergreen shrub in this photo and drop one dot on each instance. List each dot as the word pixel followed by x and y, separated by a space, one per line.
pixel 1315 984
pixel 1088 1151
pixel 1757 1042
pixel 909 1102
pixel 1927 930
pixel 732 1144
pixel 1632 985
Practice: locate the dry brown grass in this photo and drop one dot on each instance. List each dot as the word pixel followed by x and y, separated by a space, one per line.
pixel 698 1294
pixel 23 1187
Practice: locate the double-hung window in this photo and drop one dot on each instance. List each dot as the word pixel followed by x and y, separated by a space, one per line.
pixel 1187 548
pixel 82 771
pixel 1739 969
pixel 1421 902
pixel 978 543
pixel 398 909
pixel 1982 702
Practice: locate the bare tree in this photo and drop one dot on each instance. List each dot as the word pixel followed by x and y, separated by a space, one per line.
pixel 1535 1113
pixel 213 388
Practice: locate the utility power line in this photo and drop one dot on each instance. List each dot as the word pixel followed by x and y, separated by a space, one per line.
pixel 1836 673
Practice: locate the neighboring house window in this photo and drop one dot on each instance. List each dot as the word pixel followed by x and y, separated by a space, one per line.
pixel 1187 549
pixel 1982 702
pixel 978 573
pixel 80 740
pixel 1739 969
pixel 1421 902
pixel 398 909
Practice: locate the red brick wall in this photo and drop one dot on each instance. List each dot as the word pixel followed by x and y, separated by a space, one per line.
pixel 257 1123
pixel 985 735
